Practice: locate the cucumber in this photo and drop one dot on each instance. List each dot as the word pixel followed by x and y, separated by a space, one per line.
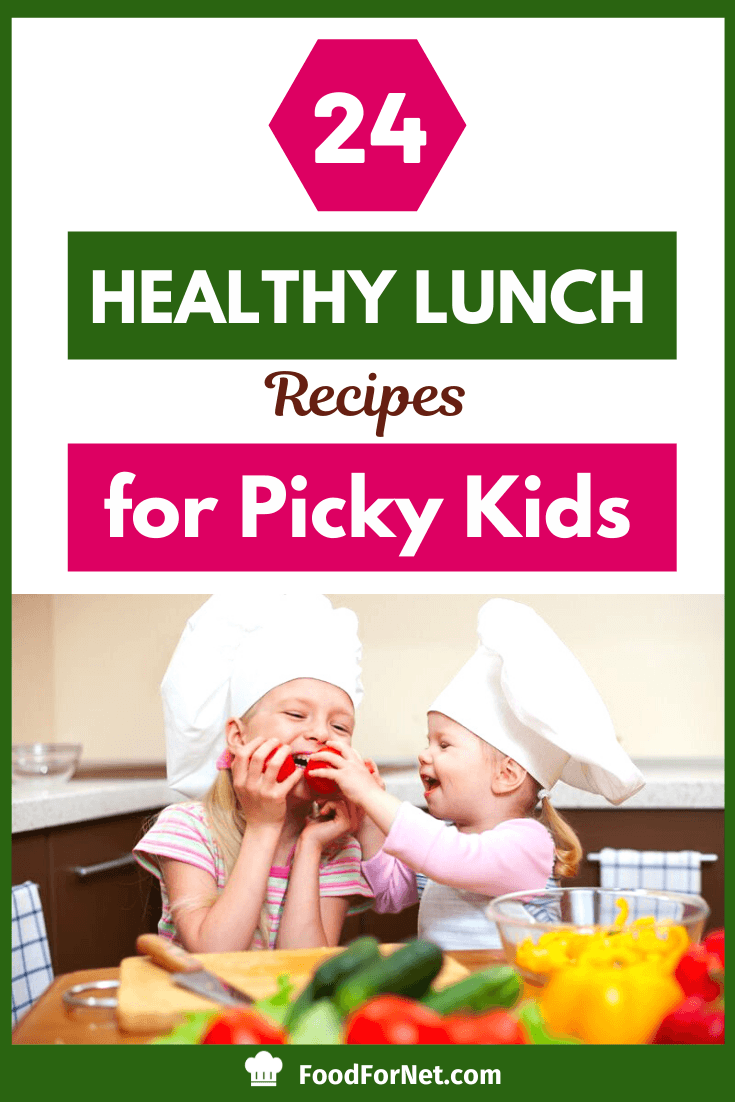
pixel 332 972
pixel 408 971
pixel 358 955
pixel 477 992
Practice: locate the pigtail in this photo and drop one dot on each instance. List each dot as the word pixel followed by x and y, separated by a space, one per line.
pixel 567 846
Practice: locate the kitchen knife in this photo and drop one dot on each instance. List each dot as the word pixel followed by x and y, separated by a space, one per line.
pixel 188 972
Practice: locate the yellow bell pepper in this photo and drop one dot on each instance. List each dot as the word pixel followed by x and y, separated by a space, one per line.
pixel 644 941
pixel 609 1004
pixel 623 910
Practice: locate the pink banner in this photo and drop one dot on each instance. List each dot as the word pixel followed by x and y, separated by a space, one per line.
pixel 375 507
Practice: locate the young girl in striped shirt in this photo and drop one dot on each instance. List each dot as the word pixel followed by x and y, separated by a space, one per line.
pixel 256 864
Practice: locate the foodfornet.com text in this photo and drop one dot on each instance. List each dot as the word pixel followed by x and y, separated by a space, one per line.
pixel 406 1075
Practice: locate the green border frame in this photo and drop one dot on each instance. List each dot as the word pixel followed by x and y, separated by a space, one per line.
pixel 112 1070
pixel 400 9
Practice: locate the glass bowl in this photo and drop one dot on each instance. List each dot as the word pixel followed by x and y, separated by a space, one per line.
pixel 45 764
pixel 527 916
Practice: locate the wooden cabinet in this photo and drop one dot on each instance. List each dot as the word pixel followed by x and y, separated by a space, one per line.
pixel 96 899
pixel 388 929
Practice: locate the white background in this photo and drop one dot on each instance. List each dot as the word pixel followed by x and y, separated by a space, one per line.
pixel 163 125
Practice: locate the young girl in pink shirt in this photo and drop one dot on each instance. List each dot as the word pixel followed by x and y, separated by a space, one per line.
pixel 255 687
pixel 520 715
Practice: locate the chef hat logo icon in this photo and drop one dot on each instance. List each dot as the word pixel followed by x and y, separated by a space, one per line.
pixel 263 1069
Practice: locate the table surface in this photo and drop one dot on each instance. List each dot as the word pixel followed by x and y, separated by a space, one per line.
pixel 51 1022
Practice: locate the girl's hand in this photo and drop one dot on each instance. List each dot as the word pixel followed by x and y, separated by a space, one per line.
pixel 261 796
pixel 374 772
pixel 359 812
pixel 368 835
pixel 349 771
pixel 334 819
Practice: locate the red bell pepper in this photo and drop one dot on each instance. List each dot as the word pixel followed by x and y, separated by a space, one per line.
pixel 700 973
pixel 693 1022
pixel 715 943
pixel 288 767
pixel 322 786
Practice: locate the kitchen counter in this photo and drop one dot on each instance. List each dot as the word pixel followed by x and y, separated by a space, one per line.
pixel 695 783
pixel 80 801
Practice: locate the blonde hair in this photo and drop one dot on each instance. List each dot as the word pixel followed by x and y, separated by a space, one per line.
pixel 567 846
pixel 226 819
pixel 225 815
pixel 227 824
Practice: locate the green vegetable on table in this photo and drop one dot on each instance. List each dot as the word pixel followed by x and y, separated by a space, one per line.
pixel 330 974
pixel 408 971
pixel 319 1024
pixel 277 1006
pixel 532 1020
pixel 480 991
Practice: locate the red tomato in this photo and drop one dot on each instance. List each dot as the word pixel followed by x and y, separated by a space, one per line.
pixel 715 943
pixel 497 1027
pixel 286 769
pixel 242 1027
pixel 697 973
pixel 393 1020
pixel 323 786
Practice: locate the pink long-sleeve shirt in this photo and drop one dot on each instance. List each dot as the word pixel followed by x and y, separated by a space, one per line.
pixel 516 855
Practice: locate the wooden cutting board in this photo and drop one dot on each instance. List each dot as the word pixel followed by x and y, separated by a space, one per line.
pixel 150 1002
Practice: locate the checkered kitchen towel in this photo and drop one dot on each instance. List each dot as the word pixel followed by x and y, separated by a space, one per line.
pixel 32 971
pixel 653 869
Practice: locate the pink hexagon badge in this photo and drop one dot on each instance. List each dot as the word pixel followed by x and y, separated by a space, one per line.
pixel 367 124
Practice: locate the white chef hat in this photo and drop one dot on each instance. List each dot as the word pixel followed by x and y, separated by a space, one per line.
pixel 233 650
pixel 525 693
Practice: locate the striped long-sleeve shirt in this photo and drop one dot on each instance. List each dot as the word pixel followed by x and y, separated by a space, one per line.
pixel 182 833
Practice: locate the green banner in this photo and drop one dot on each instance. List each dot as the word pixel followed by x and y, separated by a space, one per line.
pixel 372 296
